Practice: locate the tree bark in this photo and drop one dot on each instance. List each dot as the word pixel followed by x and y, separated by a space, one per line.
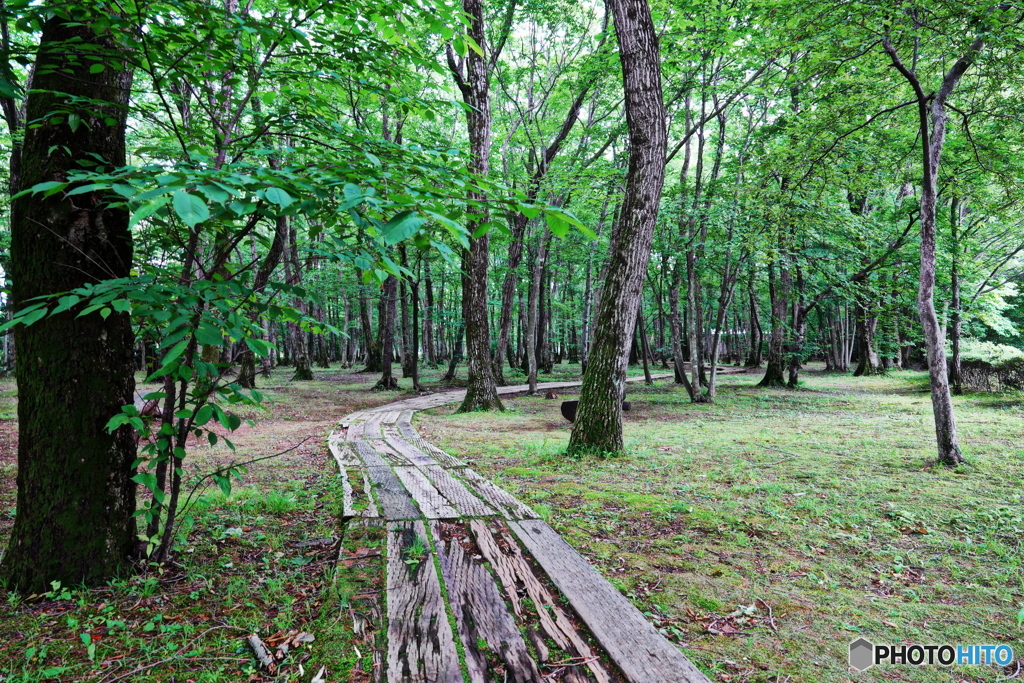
pixel 933 106
pixel 76 498
pixel 481 390
pixel 598 426
pixel 389 299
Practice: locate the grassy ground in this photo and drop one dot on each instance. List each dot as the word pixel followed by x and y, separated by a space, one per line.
pixel 260 561
pixel 762 533
pixel 767 531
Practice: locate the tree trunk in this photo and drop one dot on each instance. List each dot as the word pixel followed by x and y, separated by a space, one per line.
pixel 370 344
pixel 389 299
pixel 76 499
pixel 300 349
pixel 481 391
pixel 933 106
pixel 532 341
pixel 598 426
pixel 429 346
pixel 955 307
pixel 774 375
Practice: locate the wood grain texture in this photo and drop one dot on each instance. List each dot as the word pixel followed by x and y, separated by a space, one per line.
pixel 367 455
pixel 427 497
pixel 371 428
pixel 436 453
pixel 421 646
pixel 390 454
pixel 415 455
pixel 643 654
pixel 342 453
pixel 504 502
pixel 482 616
pixel 390 417
pixel 355 431
pixel 513 570
pixel 456 493
pixel 394 501
pixel 405 417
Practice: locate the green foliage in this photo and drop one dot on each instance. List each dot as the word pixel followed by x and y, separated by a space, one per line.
pixel 998 356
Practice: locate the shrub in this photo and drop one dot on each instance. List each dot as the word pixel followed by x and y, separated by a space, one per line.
pixel 985 366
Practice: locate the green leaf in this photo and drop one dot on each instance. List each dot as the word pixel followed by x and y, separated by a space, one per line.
pixel 203 415
pixel 473 46
pixel 175 351
pixel 146 479
pixel 190 208
pixel 145 211
pixel 91 187
pixel 208 335
pixel 402 227
pixel 276 195
pixel 97 68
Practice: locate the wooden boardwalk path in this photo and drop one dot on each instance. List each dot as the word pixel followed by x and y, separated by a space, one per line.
pixel 472 570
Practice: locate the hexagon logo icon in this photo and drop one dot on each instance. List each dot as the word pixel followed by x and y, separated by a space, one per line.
pixel 862 654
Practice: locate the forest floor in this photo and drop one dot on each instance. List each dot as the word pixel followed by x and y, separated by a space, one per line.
pixel 762 533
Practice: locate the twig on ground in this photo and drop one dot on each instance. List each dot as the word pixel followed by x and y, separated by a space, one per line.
pixel 771 617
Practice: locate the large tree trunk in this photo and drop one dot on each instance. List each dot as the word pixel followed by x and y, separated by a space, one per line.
pixel 481 391
pixel 76 499
pixel 868 362
pixel 754 358
pixel 598 424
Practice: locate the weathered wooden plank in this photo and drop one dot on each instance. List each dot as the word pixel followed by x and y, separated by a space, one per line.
pixel 513 570
pixel 428 498
pixel 371 428
pixel 343 455
pixel 643 655
pixel 440 456
pixel 355 431
pixel 395 502
pixel 456 493
pixel 405 416
pixel 391 455
pixel 390 417
pixel 480 614
pixel 502 501
pixel 412 454
pixel 371 510
pixel 368 456
pixel 407 431
pixel 421 646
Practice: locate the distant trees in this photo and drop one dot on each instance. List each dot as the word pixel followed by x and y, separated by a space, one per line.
pixel 305 191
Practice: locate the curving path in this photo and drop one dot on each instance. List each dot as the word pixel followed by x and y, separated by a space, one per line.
pixel 463 553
